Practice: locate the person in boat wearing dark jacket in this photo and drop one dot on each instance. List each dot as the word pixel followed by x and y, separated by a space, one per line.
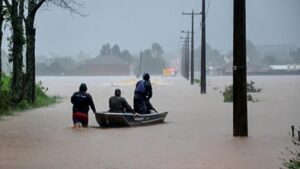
pixel 142 96
pixel 118 104
pixel 81 101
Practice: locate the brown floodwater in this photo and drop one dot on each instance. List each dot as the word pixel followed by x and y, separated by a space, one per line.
pixel 197 133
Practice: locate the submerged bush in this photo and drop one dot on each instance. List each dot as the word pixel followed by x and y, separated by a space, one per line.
pixel 292 159
pixel 228 93
pixel 252 88
pixel 197 81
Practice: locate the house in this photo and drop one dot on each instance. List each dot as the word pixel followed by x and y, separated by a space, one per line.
pixel 289 67
pixel 102 66
pixel 252 68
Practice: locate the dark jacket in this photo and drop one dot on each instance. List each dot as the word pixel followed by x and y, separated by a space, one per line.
pixel 144 88
pixel 81 102
pixel 119 104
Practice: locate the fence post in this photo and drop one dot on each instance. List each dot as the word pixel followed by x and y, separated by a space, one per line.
pixel 293 131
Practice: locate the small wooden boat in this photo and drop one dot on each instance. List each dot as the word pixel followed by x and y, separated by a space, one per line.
pixel 105 119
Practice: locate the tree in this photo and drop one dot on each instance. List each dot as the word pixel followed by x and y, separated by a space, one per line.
pixel 147 63
pixel 68 63
pixel 157 50
pixel 1 35
pixel 214 57
pixel 150 63
pixel 32 8
pixel 17 18
pixel 127 56
pixel 115 51
pixel 252 53
pixel 16 13
pixel 270 60
pixel 81 56
pixel 296 55
pixel 105 50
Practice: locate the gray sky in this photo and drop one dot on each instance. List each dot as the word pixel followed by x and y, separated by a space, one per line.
pixel 135 24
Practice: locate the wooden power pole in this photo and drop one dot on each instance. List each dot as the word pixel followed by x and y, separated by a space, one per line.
pixel 203 51
pixel 240 119
pixel 192 44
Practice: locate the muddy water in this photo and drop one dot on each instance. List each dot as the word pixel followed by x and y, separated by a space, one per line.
pixel 197 132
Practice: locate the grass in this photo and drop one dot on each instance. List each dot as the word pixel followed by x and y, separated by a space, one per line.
pixel 8 108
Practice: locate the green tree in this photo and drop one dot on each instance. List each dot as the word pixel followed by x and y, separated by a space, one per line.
pixel 17 18
pixel 1 35
pixel 32 7
pixel 16 13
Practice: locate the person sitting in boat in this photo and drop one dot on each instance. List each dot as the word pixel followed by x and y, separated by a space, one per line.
pixel 118 104
pixel 81 101
pixel 142 96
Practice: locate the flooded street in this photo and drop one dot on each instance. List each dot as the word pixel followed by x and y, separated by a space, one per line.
pixel 197 133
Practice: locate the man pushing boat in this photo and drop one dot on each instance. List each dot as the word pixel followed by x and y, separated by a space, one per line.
pixel 81 101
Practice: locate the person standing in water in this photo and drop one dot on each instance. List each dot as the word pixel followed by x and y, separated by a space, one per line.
pixel 82 101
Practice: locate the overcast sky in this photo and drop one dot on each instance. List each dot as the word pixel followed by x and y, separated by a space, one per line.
pixel 136 24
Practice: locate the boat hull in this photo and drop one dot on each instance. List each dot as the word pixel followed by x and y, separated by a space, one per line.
pixel 106 119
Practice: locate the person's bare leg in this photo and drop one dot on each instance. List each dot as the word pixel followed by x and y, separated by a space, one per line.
pixel 77 126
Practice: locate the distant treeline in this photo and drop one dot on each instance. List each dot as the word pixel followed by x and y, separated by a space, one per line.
pixel 110 61
pixel 259 55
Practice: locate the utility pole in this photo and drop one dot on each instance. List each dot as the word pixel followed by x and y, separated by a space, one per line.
pixel 203 51
pixel 184 61
pixel 187 52
pixel 240 119
pixel 187 55
pixel 140 65
pixel 192 45
pixel 187 61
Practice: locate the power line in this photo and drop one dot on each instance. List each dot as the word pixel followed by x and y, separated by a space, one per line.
pixel 207 9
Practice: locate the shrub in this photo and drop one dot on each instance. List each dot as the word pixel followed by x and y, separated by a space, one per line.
pixel 228 93
pixel 251 88
pixel 197 81
pixel 4 102
pixel 292 159
pixel 6 107
pixel 4 95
